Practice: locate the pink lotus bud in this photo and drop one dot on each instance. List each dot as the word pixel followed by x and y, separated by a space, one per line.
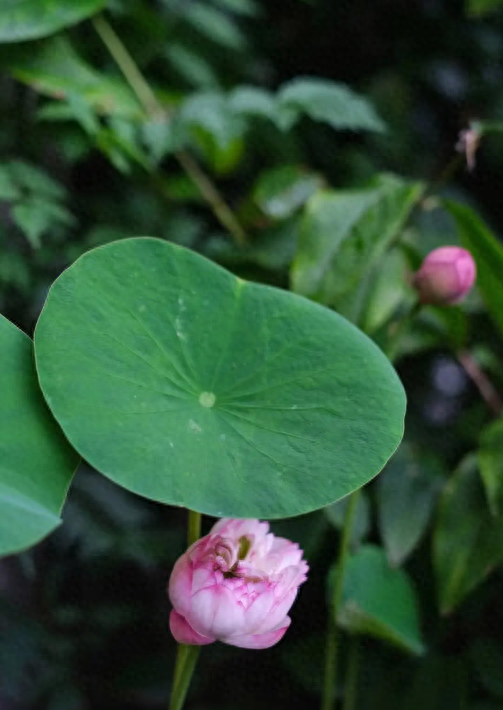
pixel 235 585
pixel 446 276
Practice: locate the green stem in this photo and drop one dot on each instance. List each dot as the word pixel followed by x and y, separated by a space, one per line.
pixel 194 527
pixel 154 109
pixel 186 656
pixel 186 660
pixel 330 684
pixel 351 684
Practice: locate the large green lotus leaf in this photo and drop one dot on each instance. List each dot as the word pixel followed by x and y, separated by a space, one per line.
pixel 187 385
pixel 36 462
pixel 30 19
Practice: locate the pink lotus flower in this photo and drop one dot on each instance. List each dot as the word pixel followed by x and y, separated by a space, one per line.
pixel 446 276
pixel 235 585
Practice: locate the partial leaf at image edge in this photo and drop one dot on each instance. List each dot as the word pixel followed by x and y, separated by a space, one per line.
pixel 218 414
pixel 37 464
pixel 380 601
pixel 467 540
pixel 487 251
pixel 490 460
pixel 21 21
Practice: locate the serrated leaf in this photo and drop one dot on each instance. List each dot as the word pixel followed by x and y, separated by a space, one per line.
pixel 36 463
pixel 325 101
pixel 192 387
pixel 380 601
pixel 21 20
pixel 345 232
pixel 468 540
pixel 407 493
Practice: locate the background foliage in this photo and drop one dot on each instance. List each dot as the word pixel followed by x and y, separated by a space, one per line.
pixel 246 88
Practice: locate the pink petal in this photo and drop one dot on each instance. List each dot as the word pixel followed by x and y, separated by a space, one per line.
pixel 215 612
pixel 260 640
pixel 184 633
pixel 278 612
pixel 180 585
pixel 259 611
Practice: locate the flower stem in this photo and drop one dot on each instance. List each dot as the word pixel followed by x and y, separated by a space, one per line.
pixel 186 660
pixel 194 527
pixel 331 652
pixel 153 108
pixel 186 656
pixel 351 684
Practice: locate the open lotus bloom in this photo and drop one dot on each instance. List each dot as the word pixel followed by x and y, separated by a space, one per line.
pixel 235 585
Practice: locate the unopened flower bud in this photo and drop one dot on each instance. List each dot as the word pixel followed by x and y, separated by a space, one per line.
pixel 446 276
pixel 235 585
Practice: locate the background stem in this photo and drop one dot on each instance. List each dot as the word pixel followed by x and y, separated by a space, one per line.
pixel 153 108
pixel 194 527
pixel 331 653
pixel 185 664
pixel 351 684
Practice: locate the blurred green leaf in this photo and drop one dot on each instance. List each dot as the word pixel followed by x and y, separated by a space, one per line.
pixel 326 101
pixel 490 458
pixel 336 512
pixel 215 25
pixel 21 20
pixel 407 492
pixel 389 289
pixel 36 216
pixel 488 254
pixel 210 112
pixel 253 101
pixel 479 8
pixel 487 657
pixel 468 540
pixel 37 464
pixel 282 191
pixel 345 232
pixel 380 601
pixel 54 68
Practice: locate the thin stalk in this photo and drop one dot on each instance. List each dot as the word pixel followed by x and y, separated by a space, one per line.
pixel 154 109
pixel 332 645
pixel 351 684
pixel 194 527
pixel 486 389
pixel 186 656
pixel 185 664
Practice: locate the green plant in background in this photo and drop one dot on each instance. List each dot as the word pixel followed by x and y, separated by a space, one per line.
pixel 211 388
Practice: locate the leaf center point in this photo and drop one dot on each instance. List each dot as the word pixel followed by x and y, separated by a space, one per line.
pixel 207 399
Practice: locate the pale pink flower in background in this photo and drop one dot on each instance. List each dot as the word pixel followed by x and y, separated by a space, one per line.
pixel 468 143
pixel 446 276
pixel 235 585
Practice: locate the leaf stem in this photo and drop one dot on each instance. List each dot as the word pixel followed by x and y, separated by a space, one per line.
pixel 186 660
pixel 351 684
pixel 484 385
pixel 153 108
pixel 331 652
pixel 194 527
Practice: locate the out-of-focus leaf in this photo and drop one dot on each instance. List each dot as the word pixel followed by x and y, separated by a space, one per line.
pixel 54 68
pixel 191 66
pixel 440 682
pixel 491 465
pixel 253 101
pixel 36 216
pixel 380 601
pixel 326 101
pixel 345 232
pixel 488 254
pixel 21 20
pixel 336 512
pixel 37 464
pixel 215 25
pixel 389 289
pixel 9 190
pixel 479 8
pixel 468 540
pixel 282 191
pixel 209 112
pixel 407 492
pixel 157 135
pixel 30 178
pixel 249 8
